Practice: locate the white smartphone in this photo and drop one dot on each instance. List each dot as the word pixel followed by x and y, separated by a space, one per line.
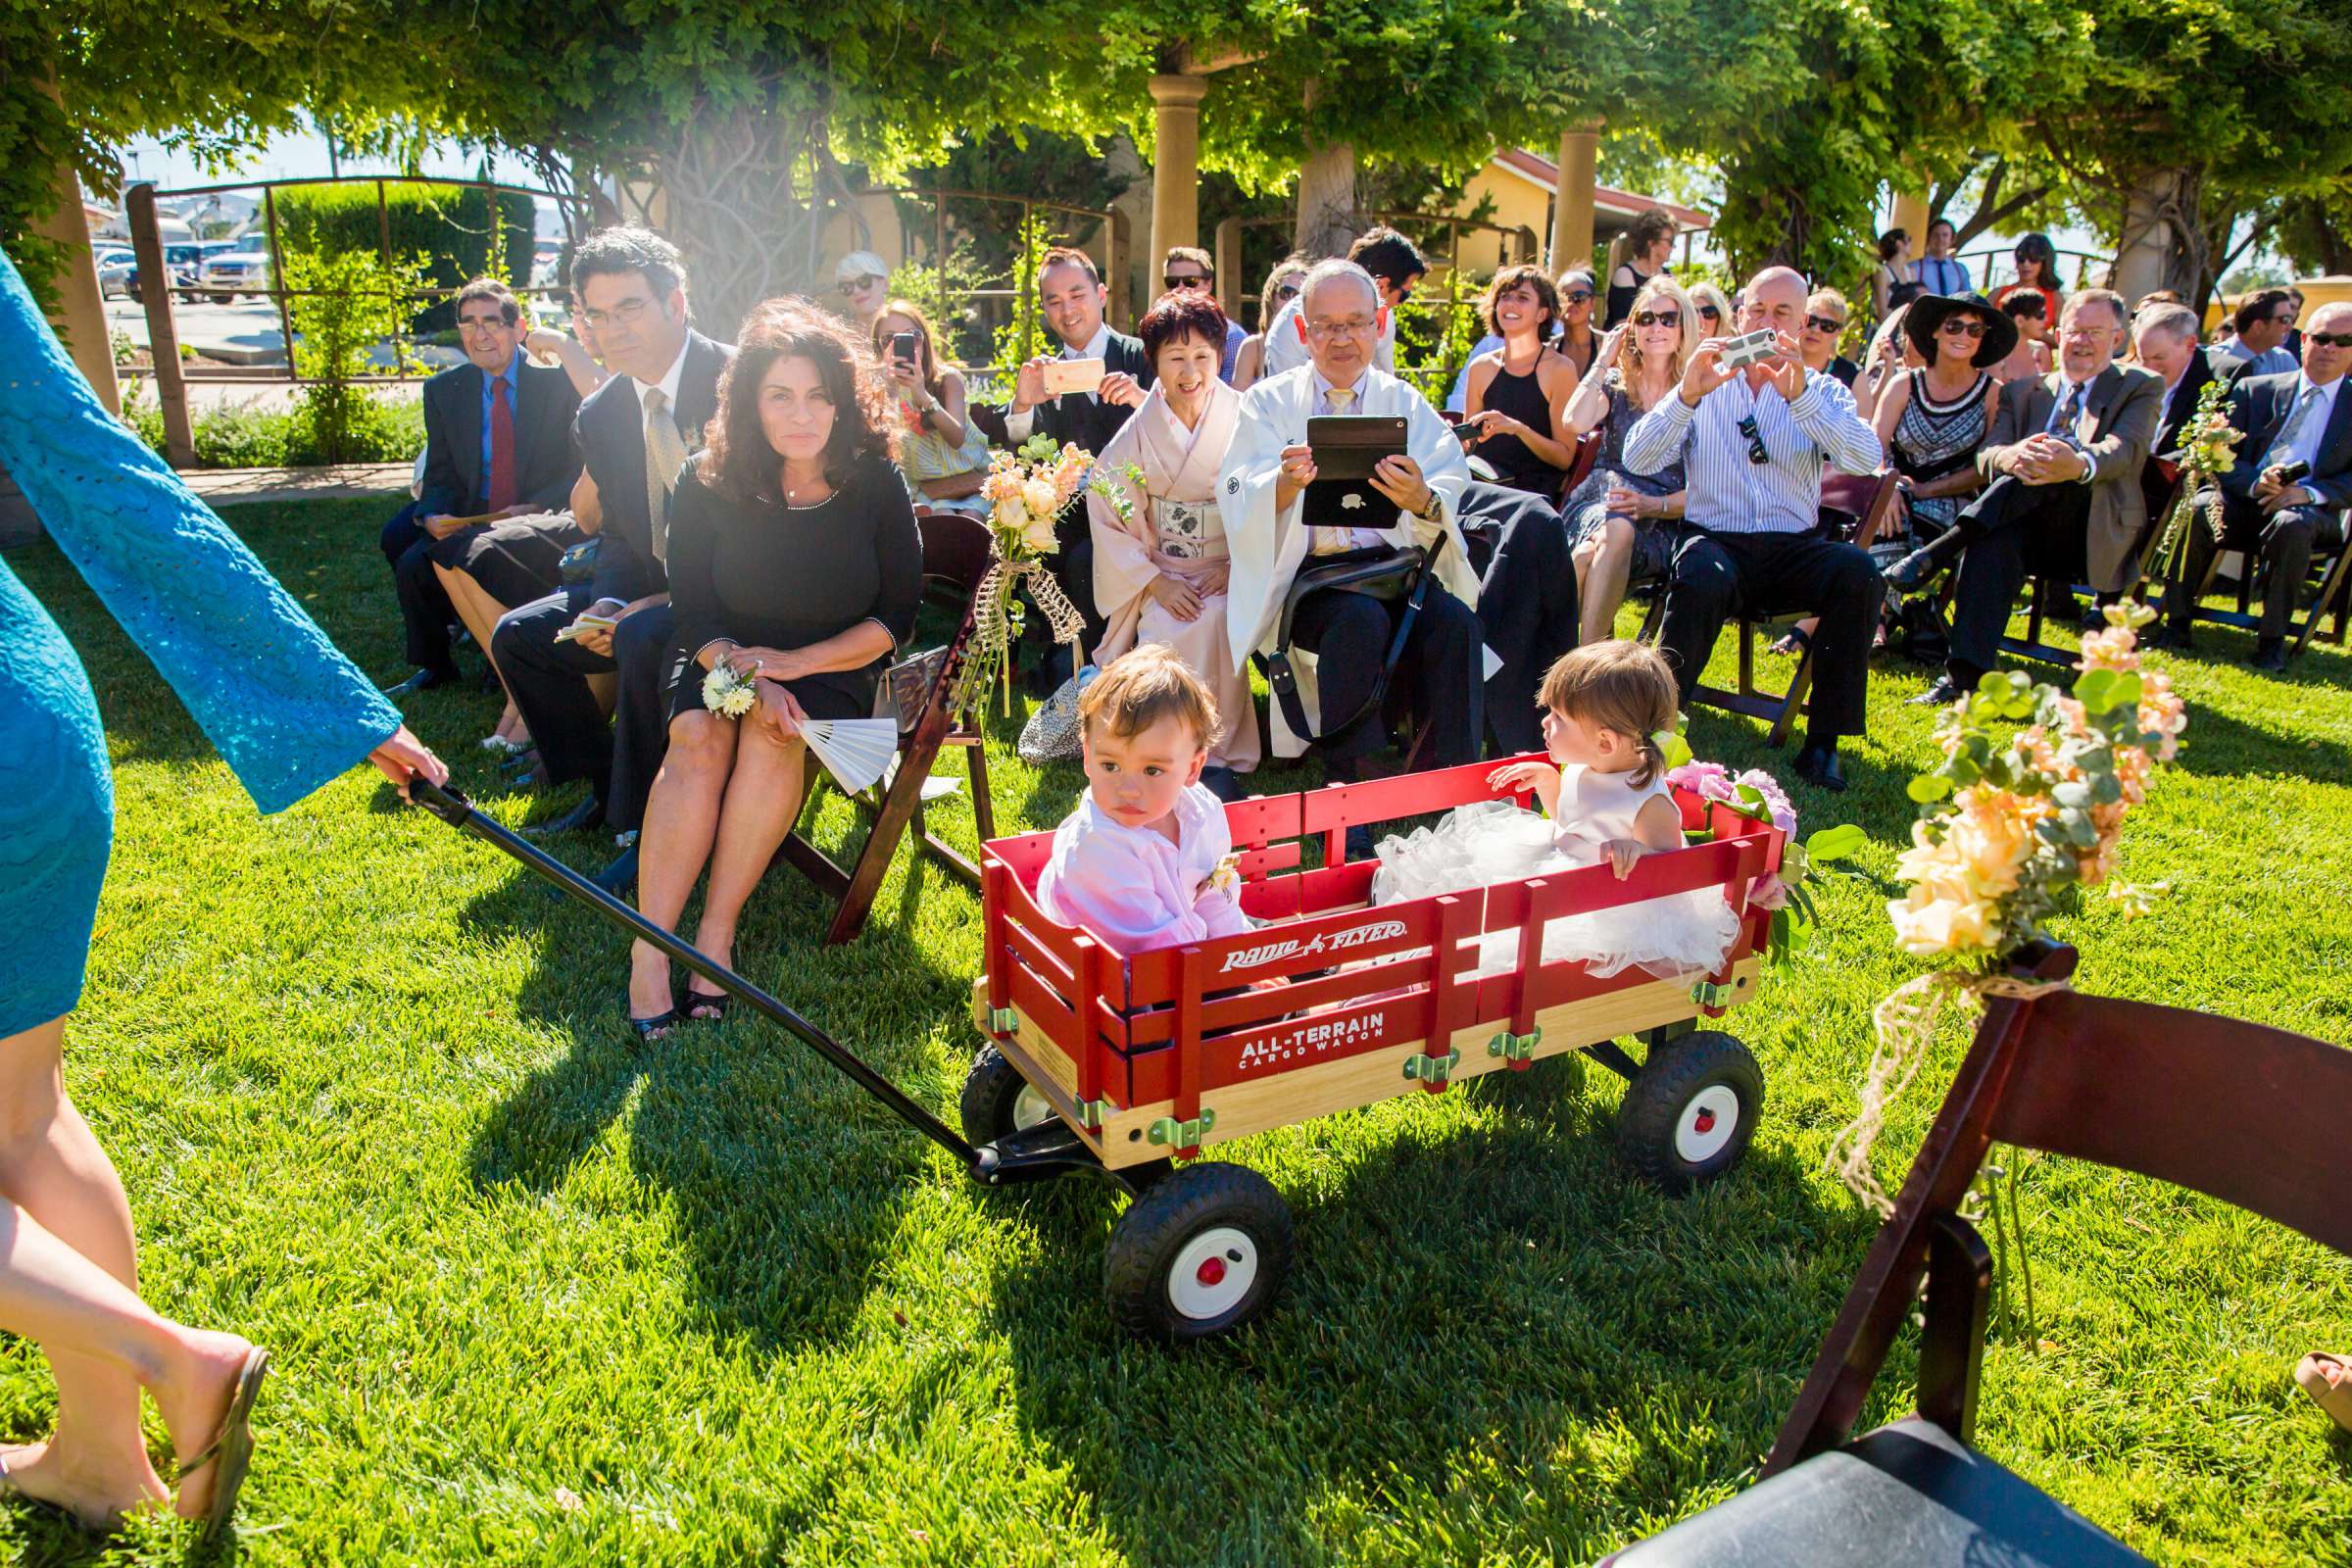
pixel 1747 348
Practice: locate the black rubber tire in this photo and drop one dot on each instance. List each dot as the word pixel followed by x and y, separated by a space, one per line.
pixel 1679 1071
pixel 991 1088
pixel 1157 1227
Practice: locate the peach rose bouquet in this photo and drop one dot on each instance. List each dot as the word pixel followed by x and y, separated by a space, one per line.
pixel 2021 815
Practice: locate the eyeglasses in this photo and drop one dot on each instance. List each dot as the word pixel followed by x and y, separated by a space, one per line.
pixel 859 284
pixel 1657 317
pixel 1193 280
pixel 2329 340
pixel 1322 331
pixel 482 323
pixel 1825 324
pixel 1961 326
pixel 2288 320
pixel 1286 291
pixel 626 311
pixel 1710 312
pixel 1755 441
pixel 1579 296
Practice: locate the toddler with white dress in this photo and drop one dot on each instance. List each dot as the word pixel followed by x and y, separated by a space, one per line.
pixel 1606 792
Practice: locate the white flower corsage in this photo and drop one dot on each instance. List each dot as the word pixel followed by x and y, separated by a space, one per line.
pixel 728 692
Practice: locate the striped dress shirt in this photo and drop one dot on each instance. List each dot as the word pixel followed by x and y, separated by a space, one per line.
pixel 1727 492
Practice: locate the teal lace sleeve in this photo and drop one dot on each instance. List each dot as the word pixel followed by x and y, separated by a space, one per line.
pixel 287 708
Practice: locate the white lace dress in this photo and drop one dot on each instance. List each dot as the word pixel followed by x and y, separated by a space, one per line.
pixel 1491 842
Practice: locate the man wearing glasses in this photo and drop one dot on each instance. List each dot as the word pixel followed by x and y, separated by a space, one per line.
pixel 1757 439
pixel 1395 265
pixel 1188 269
pixel 2268 508
pixel 2263 319
pixel 497 444
pixel 2061 467
pixel 635 433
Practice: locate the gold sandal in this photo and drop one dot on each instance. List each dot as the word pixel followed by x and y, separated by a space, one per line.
pixel 2334 1398
pixel 231 1444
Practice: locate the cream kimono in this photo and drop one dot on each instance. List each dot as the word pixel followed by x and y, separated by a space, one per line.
pixel 1268 547
pixel 1177 529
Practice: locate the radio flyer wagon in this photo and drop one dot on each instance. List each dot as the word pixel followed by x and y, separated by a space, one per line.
pixel 1154 1058
pixel 1119 1069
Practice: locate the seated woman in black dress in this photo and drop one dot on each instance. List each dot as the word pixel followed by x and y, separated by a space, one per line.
pixel 1517 395
pixel 793 555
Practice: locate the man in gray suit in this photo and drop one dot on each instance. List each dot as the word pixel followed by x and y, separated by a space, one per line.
pixel 2299 417
pixel 2062 491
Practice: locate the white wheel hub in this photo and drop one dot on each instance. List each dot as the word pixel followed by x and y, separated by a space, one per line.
pixel 1212 1273
pixel 1030 1109
pixel 1707 1124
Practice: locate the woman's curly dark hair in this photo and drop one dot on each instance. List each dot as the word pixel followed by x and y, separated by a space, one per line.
pixel 738 460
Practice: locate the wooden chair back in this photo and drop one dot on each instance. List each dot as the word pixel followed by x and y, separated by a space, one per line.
pixel 2208 1102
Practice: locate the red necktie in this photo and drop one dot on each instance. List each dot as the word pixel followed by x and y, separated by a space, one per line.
pixel 502 447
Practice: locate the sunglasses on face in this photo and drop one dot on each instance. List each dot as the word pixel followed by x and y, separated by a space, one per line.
pixel 2329 340
pixel 859 284
pixel 1581 296
pixel 1710 312
pixel 1286 291
pixel 1825 324
pixel 1959 327
pixel 1195 280
pixel 1657 317
pixel 1755 441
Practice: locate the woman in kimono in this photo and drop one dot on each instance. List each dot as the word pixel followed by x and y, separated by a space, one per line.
pixel 1161 572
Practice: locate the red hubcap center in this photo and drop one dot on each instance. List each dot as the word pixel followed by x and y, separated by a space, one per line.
pixel 1705 1122
pixel 1213 1271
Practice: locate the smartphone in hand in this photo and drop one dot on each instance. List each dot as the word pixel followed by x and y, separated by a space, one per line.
pixel 1748 348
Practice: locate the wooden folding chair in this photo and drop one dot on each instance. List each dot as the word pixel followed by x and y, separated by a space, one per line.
pixel 2202 1102
pixel 1869 497
pixel 921 690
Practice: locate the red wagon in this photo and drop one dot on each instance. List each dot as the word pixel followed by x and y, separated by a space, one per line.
pixel 1149 1061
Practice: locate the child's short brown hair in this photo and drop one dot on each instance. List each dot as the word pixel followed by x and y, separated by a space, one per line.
pixel 1619 685
pixel 1144 686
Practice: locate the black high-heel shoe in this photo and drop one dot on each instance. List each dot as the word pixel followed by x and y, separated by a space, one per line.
pixel 716 1003
pixel 658 1027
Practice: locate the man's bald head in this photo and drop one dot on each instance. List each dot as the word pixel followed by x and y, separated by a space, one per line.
pixel 1773 298
pixel 1338 318
pixel 1332 280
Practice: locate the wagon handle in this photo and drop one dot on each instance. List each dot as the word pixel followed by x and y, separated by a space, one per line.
pixel 452 807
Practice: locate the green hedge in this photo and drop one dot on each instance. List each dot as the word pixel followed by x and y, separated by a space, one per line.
pixel 451 225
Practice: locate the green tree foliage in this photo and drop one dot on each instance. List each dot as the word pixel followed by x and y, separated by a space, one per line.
pixel 345 303
pixel 451 227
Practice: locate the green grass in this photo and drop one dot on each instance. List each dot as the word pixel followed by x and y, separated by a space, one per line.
pixel 540 1298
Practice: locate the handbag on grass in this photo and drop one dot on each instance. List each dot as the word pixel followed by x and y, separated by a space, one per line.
pixel 1051 733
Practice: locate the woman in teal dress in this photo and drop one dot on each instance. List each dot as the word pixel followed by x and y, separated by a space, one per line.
pixel 289 713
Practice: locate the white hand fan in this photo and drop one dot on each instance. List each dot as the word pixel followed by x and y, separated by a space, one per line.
pixel 855 751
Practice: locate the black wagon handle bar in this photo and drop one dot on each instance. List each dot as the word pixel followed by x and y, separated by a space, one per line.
pixel 452 806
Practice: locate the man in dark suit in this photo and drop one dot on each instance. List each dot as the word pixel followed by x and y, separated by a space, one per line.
pixel 2301 417
pixel 635 433
pixel 2062 466
pixel 497 442
pixel 1070 293
pixel 2166 340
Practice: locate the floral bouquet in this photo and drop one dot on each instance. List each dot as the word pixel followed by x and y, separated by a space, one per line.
pixel 728 692
pixel 1758 795
pixel 2023 814
pixel 1026 491
pixel 2208 446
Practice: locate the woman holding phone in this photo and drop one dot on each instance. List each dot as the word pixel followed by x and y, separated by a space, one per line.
pixel 1621 525
pixel 944 453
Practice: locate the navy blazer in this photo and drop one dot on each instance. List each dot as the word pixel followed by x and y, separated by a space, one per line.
pixel 610 434
pixel 1074 417
pixel 545 464
pixel 2258 405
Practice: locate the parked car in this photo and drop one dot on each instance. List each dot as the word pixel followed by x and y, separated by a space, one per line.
pixel 115 262
pixel 183 261
pixel 242 270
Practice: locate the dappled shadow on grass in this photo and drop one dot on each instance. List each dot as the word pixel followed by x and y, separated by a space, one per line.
pixel 786 1180
pixel 1496 1312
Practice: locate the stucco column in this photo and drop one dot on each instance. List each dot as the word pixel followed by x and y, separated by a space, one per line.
pixel 1911 217
pixel 1175 169
pixel 80 315
pixel 1572 199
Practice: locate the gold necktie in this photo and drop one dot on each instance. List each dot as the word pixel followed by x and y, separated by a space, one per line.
pixel 665 456
pixel 1334 541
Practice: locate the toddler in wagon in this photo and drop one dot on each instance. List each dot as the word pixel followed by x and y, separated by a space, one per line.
pixel 1141 862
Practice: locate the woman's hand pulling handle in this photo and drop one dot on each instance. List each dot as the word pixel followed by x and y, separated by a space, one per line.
pixel 402 758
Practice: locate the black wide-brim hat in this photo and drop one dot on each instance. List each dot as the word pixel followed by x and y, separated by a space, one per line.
pixel 1925 315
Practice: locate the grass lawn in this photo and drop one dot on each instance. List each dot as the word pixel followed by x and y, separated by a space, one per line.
pixel 538 1297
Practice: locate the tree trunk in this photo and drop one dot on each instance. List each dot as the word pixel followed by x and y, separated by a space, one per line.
pixel 1326 224
pixel 2163 243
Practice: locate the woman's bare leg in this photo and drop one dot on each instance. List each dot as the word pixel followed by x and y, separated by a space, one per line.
pixel 681 819
pixel 764 801
pixel 1603 563
pixel 69 1280
pixel 480 612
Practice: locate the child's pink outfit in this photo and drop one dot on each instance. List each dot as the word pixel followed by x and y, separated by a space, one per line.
pixel 1490 841
pixel 1134 887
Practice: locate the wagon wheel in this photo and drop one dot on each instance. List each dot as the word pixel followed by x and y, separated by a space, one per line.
pixel 1687 1118
pixel 997 1100
pixel 1203 1253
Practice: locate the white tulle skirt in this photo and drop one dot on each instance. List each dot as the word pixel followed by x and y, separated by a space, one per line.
pixel 1491 842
